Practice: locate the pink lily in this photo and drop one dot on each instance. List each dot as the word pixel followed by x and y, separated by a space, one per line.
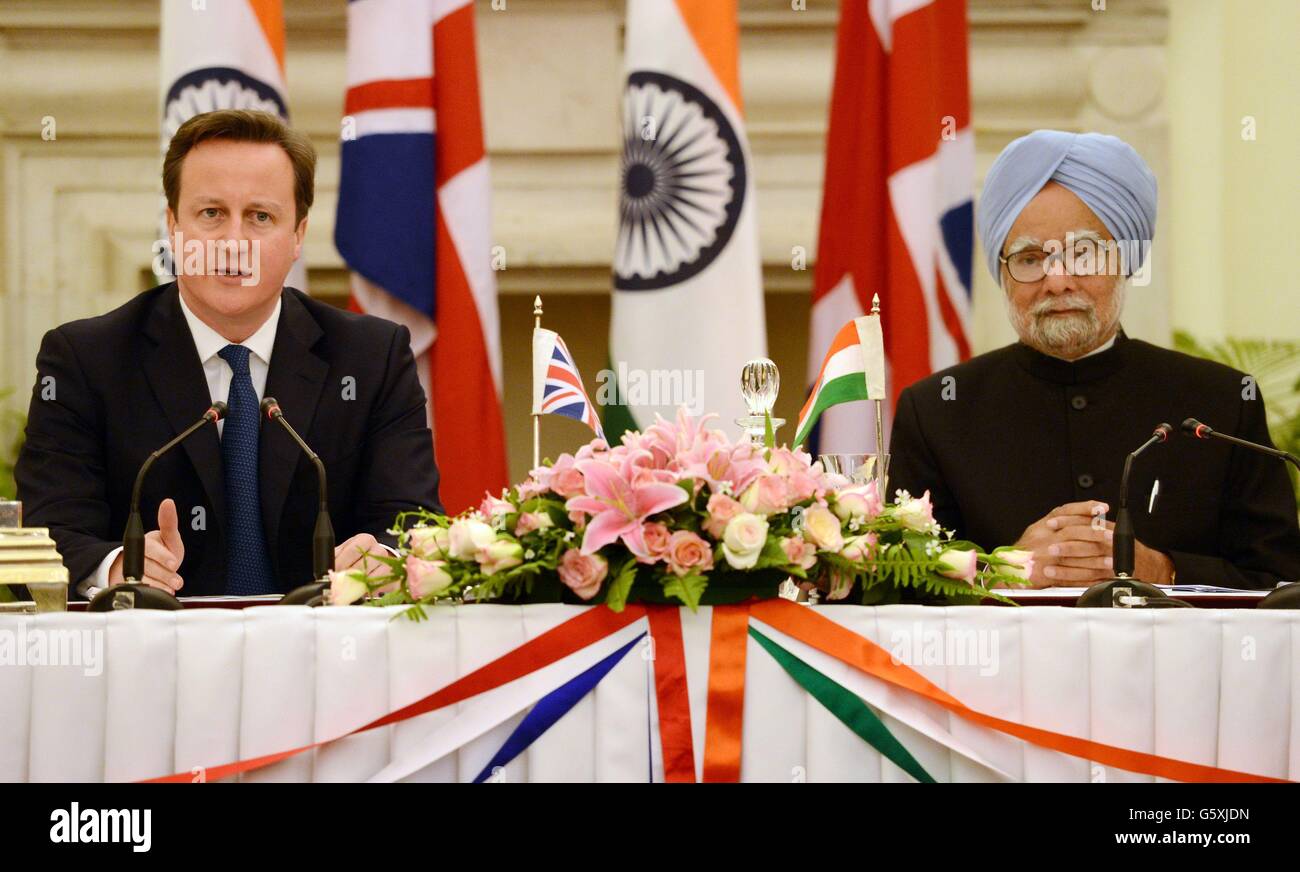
pixel 619 508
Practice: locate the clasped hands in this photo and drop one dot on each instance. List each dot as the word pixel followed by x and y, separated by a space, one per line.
pixel 1072 547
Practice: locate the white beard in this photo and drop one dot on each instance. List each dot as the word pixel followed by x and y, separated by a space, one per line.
pixel 1071 335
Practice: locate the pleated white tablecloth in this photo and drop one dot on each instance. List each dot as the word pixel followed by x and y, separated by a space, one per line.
pixel 177 691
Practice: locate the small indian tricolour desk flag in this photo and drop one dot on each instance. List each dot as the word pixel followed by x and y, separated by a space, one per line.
pixel 557 386
pixel 854 369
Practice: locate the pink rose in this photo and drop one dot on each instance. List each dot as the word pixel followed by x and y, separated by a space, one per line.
pixel 802 485
pixel 494 508
pixel 841 584
pixel 721 509
pixel 958 564
pixel 657 538
pixel 578 519
pixel 530 521
pixel 858 503
pixel 688 553
pixel 532 486
pixel 798 552
pixel 583 573
pixel 766 496
pixel 860 549
pixel 566 480
pixel 795 467
pixel 426 577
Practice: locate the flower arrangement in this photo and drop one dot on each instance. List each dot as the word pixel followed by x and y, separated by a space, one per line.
pixel 679 513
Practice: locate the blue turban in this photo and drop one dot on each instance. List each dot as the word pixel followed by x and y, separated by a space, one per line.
pixel 1102 171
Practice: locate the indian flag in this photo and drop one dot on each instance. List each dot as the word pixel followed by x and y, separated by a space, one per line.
pixel 687 309
pixel 854 369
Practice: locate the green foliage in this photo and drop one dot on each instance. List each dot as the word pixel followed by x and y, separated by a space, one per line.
pixel 1275 365
pixel 12 423
pixel 688 588
pixel 620 586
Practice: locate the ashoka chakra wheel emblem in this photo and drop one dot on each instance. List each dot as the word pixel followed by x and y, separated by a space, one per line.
pixel 683 183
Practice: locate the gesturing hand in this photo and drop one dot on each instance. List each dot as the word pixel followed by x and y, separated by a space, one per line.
pixel 356 553
pixel 163 552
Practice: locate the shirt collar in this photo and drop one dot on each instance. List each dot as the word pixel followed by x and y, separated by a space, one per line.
pixel 208 341
pixel 1100 348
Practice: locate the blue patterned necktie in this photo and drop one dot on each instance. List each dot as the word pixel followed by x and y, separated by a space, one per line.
pixel 248 564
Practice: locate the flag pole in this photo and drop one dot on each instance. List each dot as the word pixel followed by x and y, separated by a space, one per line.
pixel 537 429
pixel 880 417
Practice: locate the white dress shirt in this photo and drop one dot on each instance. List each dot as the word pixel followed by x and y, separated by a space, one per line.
pixel 209 342
pixel 1105 346
pixel 219 375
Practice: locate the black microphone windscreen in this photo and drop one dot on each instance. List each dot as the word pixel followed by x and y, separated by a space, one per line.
pixel 1190 425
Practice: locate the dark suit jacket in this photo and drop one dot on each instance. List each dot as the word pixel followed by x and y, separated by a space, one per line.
pixel 125 383
pixel 1024 432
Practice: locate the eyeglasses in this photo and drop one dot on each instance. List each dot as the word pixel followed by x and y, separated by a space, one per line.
pixel 1085 259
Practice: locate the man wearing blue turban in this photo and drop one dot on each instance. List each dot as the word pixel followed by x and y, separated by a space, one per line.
pixel 1026 444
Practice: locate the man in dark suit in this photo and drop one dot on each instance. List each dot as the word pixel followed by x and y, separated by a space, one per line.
pixel 1026 444
pixel 236 504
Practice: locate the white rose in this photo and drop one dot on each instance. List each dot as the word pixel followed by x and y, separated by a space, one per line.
pixel 822 528
pixel 1022 562
pixel 958 564
pixel 347 587
pixel 916 513
pixel 743 540
pixel 501 553
pixel 467 536
pixel 429 543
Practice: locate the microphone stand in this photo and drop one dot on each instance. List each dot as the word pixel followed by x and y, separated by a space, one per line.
pixel 1286 596
pixel 1205 431
pixel 132 593
pixel 1124 544
pixel 322 543
pixel 1123 590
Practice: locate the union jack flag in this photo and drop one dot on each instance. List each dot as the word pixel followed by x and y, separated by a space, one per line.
pixel 414 222
pixel 557 386
pixel 897 209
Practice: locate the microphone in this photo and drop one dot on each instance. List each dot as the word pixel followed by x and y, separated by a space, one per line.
pixel 1124 591
pixel 322 542
pixel 132 593
pixel 1123 545
pixel 1195 428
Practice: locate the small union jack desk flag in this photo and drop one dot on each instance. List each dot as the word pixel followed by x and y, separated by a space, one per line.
pixel 557 386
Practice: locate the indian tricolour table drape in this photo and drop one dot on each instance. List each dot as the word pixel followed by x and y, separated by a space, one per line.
pixel 155 693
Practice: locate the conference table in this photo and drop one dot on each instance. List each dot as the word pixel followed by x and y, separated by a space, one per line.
pixel 145 694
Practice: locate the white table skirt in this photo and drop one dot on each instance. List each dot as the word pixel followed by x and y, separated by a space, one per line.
pixel 178 690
